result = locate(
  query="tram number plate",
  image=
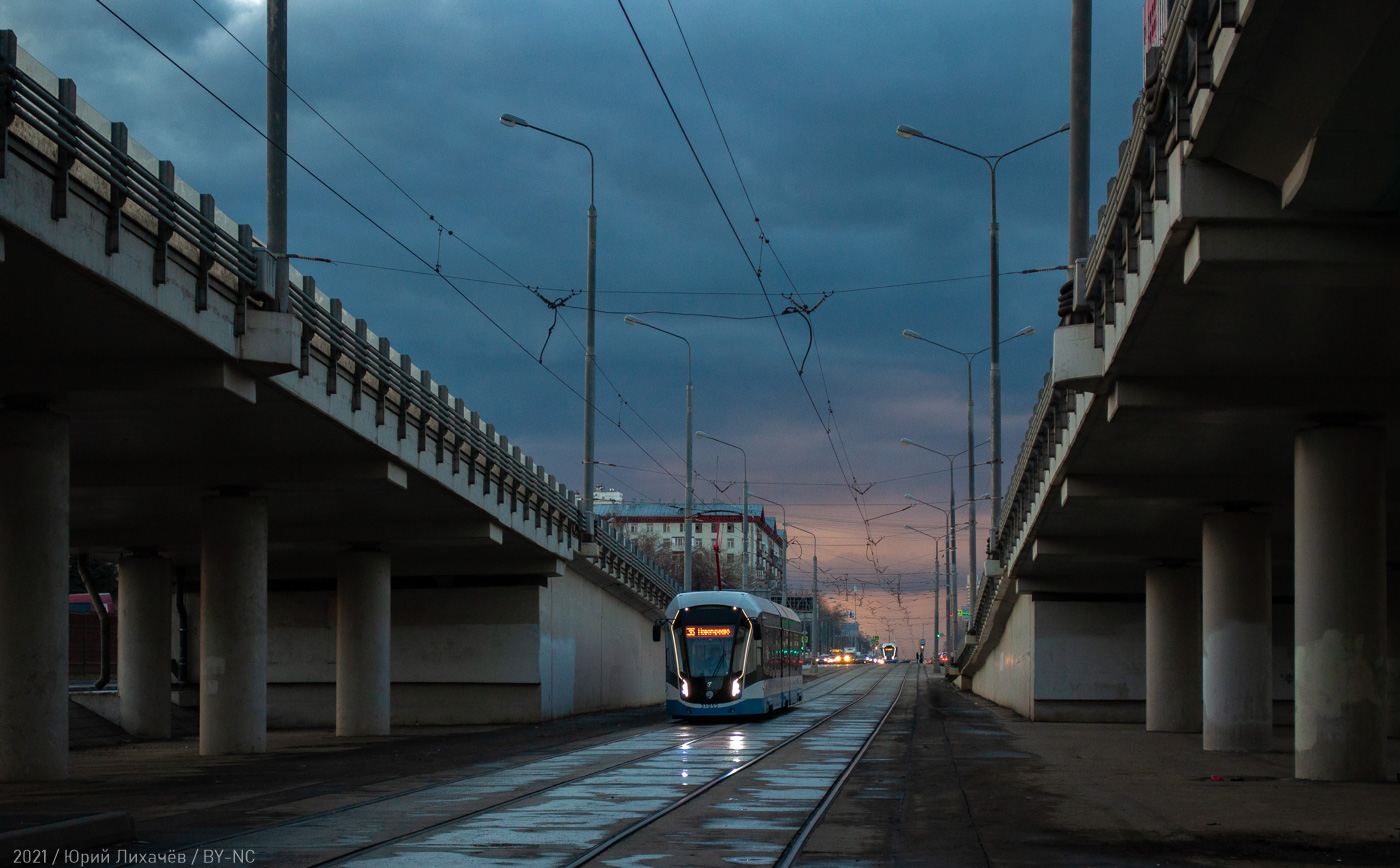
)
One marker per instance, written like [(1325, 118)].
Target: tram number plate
[(709, 632)]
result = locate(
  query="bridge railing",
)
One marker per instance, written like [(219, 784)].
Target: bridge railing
[(1161, 119), (43, 121)]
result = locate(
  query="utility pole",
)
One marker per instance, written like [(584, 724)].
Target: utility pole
[(277, 127), (1080, 49)]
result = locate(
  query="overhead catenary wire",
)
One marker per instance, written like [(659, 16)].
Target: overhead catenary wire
[(376, 224), (757, 271)]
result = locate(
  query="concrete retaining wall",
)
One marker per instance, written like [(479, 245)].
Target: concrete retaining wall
[(1009, 673), (1085, 660), (467, 655)]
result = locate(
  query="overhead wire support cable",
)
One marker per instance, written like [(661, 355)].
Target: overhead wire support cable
[(388, 234), (758, 275)]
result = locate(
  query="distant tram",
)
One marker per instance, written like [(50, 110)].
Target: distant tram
[(889, 653), (729, 652)]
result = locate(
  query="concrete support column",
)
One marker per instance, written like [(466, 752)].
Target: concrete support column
[(1340, 609), (33, 596), (233, 625), (143, 645), (362, 644), (1174, 649), (1236, 628), (1392, 635)]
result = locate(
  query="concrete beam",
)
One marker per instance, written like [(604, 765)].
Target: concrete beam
[(1086, 490), (74, 379), (1270, 256), (261, 474), (1297, 396), (449, 533), (1111, 548)]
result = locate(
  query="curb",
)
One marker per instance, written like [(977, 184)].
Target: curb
[(80, 833)]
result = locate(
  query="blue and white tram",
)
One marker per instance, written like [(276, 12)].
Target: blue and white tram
[(728, 652)]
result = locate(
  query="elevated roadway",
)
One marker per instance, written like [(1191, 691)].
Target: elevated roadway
[(1201, 528), (351, 543)]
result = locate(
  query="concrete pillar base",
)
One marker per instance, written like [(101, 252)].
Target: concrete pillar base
[(1236, 628), (362, 644), (233, 625), (1174, 649), (143, 645), (1340, 613), (34, 482)]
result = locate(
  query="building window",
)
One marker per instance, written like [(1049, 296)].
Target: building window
[(729, 543)]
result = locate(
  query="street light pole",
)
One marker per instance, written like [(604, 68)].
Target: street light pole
[(589, 356), (783, 577), (952, 537), (816, 594), (937, 582), (744, 526), (971, 464), (686, 583), (992, 161)]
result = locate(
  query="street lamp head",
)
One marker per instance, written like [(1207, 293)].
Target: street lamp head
[(513, 121), (632, 320), (907, 132), (1028, 330), (905, 441), (910, 497), (912, 335), (910, 527), (701, 435), (1064, 129)]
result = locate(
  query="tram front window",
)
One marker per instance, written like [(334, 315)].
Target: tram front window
[(709, 639), (710, 655)]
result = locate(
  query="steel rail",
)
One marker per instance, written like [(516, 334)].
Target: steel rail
[(617, 838), (379, 845), (794, 847)]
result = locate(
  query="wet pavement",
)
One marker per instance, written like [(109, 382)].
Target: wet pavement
[(950, 780)]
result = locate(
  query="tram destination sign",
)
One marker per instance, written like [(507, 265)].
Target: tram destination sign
[(709, 632)]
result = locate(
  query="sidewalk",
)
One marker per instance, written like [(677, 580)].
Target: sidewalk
[(1001, 790)]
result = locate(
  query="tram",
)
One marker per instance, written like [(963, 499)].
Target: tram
[(730, 653), (889, 653)]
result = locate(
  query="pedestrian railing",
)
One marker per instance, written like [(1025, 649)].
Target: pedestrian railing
[(45, 123)]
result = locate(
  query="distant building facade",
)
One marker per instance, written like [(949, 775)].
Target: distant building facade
[(718, 531)]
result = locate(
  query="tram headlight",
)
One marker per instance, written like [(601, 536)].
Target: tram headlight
[(685, 689), (735, 689)]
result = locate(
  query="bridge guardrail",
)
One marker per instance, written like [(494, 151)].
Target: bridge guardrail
[(1161, 119), (46, 123)]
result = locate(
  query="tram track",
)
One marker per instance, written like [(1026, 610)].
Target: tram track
[(607, 845), (335, 825)]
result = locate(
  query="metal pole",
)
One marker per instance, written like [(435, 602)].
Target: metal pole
[(589, 363), (277, 126), (971, 511), (1080, 50), (689, 471), (783, 592), (937, 596), (744, 527), (973, 558)]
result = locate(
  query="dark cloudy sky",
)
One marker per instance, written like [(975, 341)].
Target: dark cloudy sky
[(808, 93)]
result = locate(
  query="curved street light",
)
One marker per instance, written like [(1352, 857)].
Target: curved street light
[(590, 362), (744, 526), (686, 581), (992, 161), (971, 448)]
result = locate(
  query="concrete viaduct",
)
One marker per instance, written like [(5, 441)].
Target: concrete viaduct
[(354, 545), (1201, 528)]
